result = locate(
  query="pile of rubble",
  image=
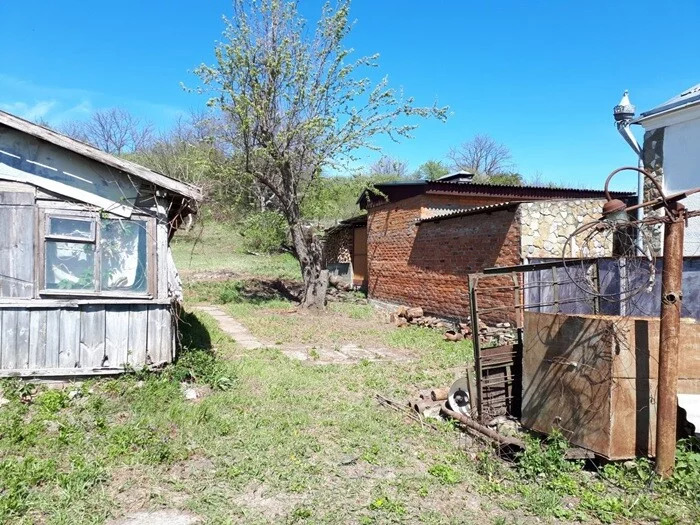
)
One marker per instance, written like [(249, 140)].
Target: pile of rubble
[(497, 335), (341, 291), (403, 316)]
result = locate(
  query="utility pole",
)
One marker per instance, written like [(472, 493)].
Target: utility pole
[(669, 340), (675, 216)]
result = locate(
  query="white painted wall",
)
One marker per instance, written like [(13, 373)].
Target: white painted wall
[(682, 156), (682, 172), (682, 163)]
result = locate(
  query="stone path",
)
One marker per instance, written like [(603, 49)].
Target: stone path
[(348, 353)]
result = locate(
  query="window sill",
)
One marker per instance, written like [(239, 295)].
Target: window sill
[(96, 295)]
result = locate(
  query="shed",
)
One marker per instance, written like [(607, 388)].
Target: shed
[(424, 238), (87, 280), (345, 250)]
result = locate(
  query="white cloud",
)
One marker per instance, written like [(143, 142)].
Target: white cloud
[(35, 111), (57, 105)]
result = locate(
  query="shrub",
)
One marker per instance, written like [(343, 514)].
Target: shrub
[(264, 231)]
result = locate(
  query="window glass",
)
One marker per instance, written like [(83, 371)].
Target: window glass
[(124, 250), (70, 265), (74, 228)]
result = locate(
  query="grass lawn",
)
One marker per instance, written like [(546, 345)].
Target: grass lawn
[(274, 440), (213, 249)]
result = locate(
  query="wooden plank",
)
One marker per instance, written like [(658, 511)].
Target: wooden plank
[(161, 260), (138, 335), (9, 339), (92, 336), (17, 198), (69, 339), (17, 251), (59, 372), (22, 342), (37, 338), (75, 303), (53, 338), (116, 336), (155, 335)]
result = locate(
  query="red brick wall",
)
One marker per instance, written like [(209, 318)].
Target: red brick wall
[(427, 265)]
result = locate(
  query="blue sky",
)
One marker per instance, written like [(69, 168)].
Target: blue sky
[(540, 77)]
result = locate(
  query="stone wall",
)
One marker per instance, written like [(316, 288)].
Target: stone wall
[(653, 156), (546, 226)]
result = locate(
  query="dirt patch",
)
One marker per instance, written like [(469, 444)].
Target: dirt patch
[(271, 506), (157, 517)]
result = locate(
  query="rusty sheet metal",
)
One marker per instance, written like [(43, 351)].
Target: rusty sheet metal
[(595, 379)]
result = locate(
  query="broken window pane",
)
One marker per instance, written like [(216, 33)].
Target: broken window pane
[(124, 258), (75, 228), (70, 265)]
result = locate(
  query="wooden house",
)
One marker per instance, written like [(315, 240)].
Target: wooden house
[(87, 280)]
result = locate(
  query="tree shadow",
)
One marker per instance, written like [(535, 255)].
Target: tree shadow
[(193, 334)]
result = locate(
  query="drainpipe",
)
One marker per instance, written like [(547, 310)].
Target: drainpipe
[(624, 114)]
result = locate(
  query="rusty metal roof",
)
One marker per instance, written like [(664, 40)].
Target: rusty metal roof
[(396, 191)]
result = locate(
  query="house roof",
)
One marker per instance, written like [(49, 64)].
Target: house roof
[(688, 97), (130, 168), (459, 176), (347, 223), (403, 190), (471, 211)]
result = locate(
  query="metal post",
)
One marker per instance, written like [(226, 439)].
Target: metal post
[(669, 338)]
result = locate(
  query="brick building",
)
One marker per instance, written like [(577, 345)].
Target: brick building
[(425, 237)]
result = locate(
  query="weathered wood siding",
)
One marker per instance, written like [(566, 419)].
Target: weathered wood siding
[(85, 338), (16, 243)]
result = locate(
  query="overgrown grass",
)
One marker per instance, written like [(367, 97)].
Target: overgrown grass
[(546, 485), (275, 440), (271, 440), (213, 247)]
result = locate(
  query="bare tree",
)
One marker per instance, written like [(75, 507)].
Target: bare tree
[(297, 107), (483, 156), (389, 166), (114, 131)]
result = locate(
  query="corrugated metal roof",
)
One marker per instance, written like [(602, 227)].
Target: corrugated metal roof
[(472, 211), (688, 97), (399, 191)]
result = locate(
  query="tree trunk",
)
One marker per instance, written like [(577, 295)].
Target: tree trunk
[(310, 255)]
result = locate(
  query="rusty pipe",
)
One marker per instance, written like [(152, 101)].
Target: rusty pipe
[(669, 339), (486, 431)]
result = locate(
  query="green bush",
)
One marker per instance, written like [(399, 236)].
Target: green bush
[(264, 231)]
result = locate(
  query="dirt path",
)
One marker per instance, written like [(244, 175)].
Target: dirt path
[(348, 353)]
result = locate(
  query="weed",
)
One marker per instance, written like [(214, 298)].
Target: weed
[(686, 475), (445, 474), (548, 461), (52, 401), (388, 505)]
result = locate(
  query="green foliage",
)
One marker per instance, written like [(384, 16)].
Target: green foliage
[(445, 474), (505, 178), (18, 476), (432, 170), (51, 401), (264, 231), (548, 461), (686, 476)]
